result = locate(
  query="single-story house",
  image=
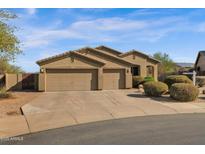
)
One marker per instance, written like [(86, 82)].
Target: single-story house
[(200, 63), (94, 69)]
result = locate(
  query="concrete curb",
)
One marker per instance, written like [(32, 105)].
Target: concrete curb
[(13, 126), (17, 125)]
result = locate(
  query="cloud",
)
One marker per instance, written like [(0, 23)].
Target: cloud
[(88, 30), (109, 29), (96, 10), (31, 11), (43, 37), (109, 24), (83, 30), (149, 12), (140, 12)]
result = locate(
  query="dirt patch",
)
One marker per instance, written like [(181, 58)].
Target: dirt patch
[(11, 106)]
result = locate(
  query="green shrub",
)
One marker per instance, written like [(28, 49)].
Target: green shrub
[(200, 81), (154, 88), (137, 80), (184, 92), (148, 78), (177, 79), (4, 93)]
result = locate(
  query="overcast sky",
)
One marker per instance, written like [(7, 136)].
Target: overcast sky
[(46, 32)]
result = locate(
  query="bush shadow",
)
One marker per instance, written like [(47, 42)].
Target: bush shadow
[(162, 99), (138, 95)]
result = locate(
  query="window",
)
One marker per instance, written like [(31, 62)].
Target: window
[(135, 71), (150, 71)]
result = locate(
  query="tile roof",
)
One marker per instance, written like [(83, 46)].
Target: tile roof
[(107, 48), (99, 50), (74, 52), (138, 52)]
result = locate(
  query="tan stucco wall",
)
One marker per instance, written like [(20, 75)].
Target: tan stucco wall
[(138, 60), (13, 81), (155, 66), (100, 78), (41, 81), (128, 78), (36, 82), (143, 63)]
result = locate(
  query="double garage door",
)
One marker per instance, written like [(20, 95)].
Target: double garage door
[(83, 79), (71, 79)]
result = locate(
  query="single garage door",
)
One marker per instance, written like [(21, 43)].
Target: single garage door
[(113, 79), (71, 79)]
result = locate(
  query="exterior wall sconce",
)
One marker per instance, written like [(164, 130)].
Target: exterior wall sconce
[(41, 70)]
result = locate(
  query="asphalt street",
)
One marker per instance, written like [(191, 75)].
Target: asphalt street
[(152, 130)]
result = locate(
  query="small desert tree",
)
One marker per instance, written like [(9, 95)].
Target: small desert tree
[(167, 65), (6, 67), (9, 43)]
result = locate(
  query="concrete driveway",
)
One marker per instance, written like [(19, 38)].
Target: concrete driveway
[(59, 109)]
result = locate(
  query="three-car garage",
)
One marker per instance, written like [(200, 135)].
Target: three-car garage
[(84, 70), (83, 79)]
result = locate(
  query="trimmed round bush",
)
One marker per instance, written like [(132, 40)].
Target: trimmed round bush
[(172, 79), (148, 78), (184, 92), (137, 80), (155, 89)]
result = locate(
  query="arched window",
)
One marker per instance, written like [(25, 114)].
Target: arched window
[(150, 71)]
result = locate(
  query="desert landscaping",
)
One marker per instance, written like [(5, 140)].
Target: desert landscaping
[(11, 106)]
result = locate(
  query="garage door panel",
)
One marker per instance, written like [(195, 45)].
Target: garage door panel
[(65, 80), (113, 79)]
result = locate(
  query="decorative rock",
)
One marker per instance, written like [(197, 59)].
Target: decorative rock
[(141, 90), (140, 86), (202, 90)]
